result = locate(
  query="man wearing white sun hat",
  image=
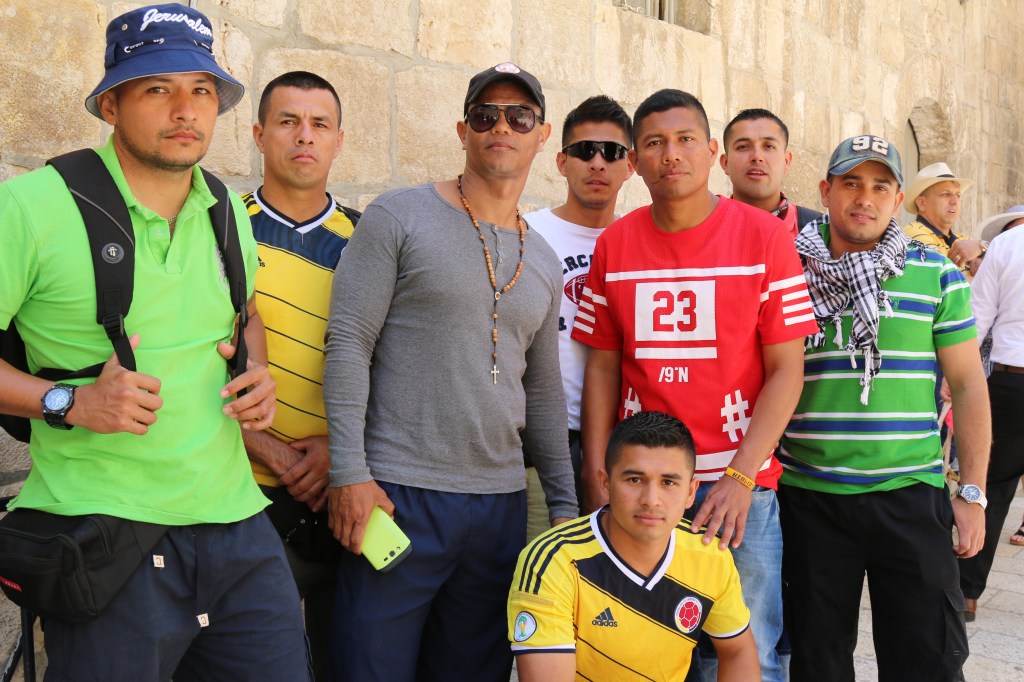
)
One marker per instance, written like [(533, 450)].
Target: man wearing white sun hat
[(934, 194)]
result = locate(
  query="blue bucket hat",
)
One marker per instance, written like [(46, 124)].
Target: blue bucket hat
[(158, 40)]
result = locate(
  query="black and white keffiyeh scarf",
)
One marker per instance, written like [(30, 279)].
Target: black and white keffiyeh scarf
[(854, 280)]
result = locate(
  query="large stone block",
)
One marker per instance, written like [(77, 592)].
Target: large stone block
[(891, 42), (850, 16), (449, 33), (746, 91), (776, 47), (231, 149), (852, 124), (52, 59), (817, 133), (872, 96), (429, 102), (806, 171), (890, 102), (855, 84), (554, 42), (742, 28), (640, 55), (380, 24), (791, 110), (265, 12), (366, 100), (812, 63), (546, 186), (712, 66)]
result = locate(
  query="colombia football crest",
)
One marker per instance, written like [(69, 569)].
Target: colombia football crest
[(687, 614)]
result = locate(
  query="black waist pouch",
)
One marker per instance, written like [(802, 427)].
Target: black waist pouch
[(302, 530), (69, 568)]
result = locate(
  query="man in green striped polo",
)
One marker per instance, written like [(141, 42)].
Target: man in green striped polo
[(863, 490)]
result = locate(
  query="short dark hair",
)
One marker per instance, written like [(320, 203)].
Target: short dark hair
[(597, 109), (652, 430), (755, 115), (303, 80), (666, 99)]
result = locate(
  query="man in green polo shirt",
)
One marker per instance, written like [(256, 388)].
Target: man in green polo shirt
[(863, 490), (161, 444)]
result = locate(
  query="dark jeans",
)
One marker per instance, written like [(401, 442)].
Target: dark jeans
[(223, 606), (1006, 466), (901, 539)]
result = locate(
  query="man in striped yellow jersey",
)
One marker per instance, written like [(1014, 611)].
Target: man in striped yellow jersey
[(300, 231), (623, 594)]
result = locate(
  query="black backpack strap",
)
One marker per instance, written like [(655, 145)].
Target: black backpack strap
[(111, 245), (804, 216), (222, 215), (352, 214)]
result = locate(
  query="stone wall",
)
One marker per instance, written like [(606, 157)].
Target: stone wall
[(830, 68)]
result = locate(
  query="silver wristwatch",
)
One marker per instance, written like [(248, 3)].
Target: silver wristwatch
[(972, 494)]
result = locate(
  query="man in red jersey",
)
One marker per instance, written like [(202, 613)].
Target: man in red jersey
[(696, 305)]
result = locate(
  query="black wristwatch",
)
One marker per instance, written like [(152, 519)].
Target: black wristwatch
[(57, 402)]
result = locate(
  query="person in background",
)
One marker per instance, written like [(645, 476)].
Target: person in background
[(595, 162), (934, 194), (757, 160), (996, 297)]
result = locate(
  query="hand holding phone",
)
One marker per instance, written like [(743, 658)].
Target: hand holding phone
[(384, 543)]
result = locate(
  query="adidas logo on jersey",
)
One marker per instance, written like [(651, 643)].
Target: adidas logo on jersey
[(605, 619)]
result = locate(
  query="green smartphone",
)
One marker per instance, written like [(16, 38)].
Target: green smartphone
[(384, 544)]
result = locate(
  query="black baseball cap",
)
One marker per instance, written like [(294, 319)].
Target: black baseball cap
[(506, 71)]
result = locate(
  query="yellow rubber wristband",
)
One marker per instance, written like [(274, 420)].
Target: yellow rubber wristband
[(732, 473)]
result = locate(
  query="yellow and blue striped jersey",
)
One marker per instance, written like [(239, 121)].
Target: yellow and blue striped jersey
[(573, 593), (293, 293)]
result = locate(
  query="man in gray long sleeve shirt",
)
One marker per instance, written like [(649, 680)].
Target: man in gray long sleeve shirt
[(442, 368)]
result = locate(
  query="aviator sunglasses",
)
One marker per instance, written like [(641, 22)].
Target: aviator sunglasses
[(520, 117), (586, 149)]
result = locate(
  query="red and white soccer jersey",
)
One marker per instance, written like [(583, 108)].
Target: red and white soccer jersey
[(690, 312)]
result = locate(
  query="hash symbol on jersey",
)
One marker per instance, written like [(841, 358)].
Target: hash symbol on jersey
[(632, 404), (735, 415)]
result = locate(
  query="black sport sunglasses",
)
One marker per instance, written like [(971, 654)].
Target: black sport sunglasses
[(520, 117), (586, 149)]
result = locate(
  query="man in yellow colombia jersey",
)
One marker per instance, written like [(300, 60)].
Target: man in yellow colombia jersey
[(300, 231), (623, 594)]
